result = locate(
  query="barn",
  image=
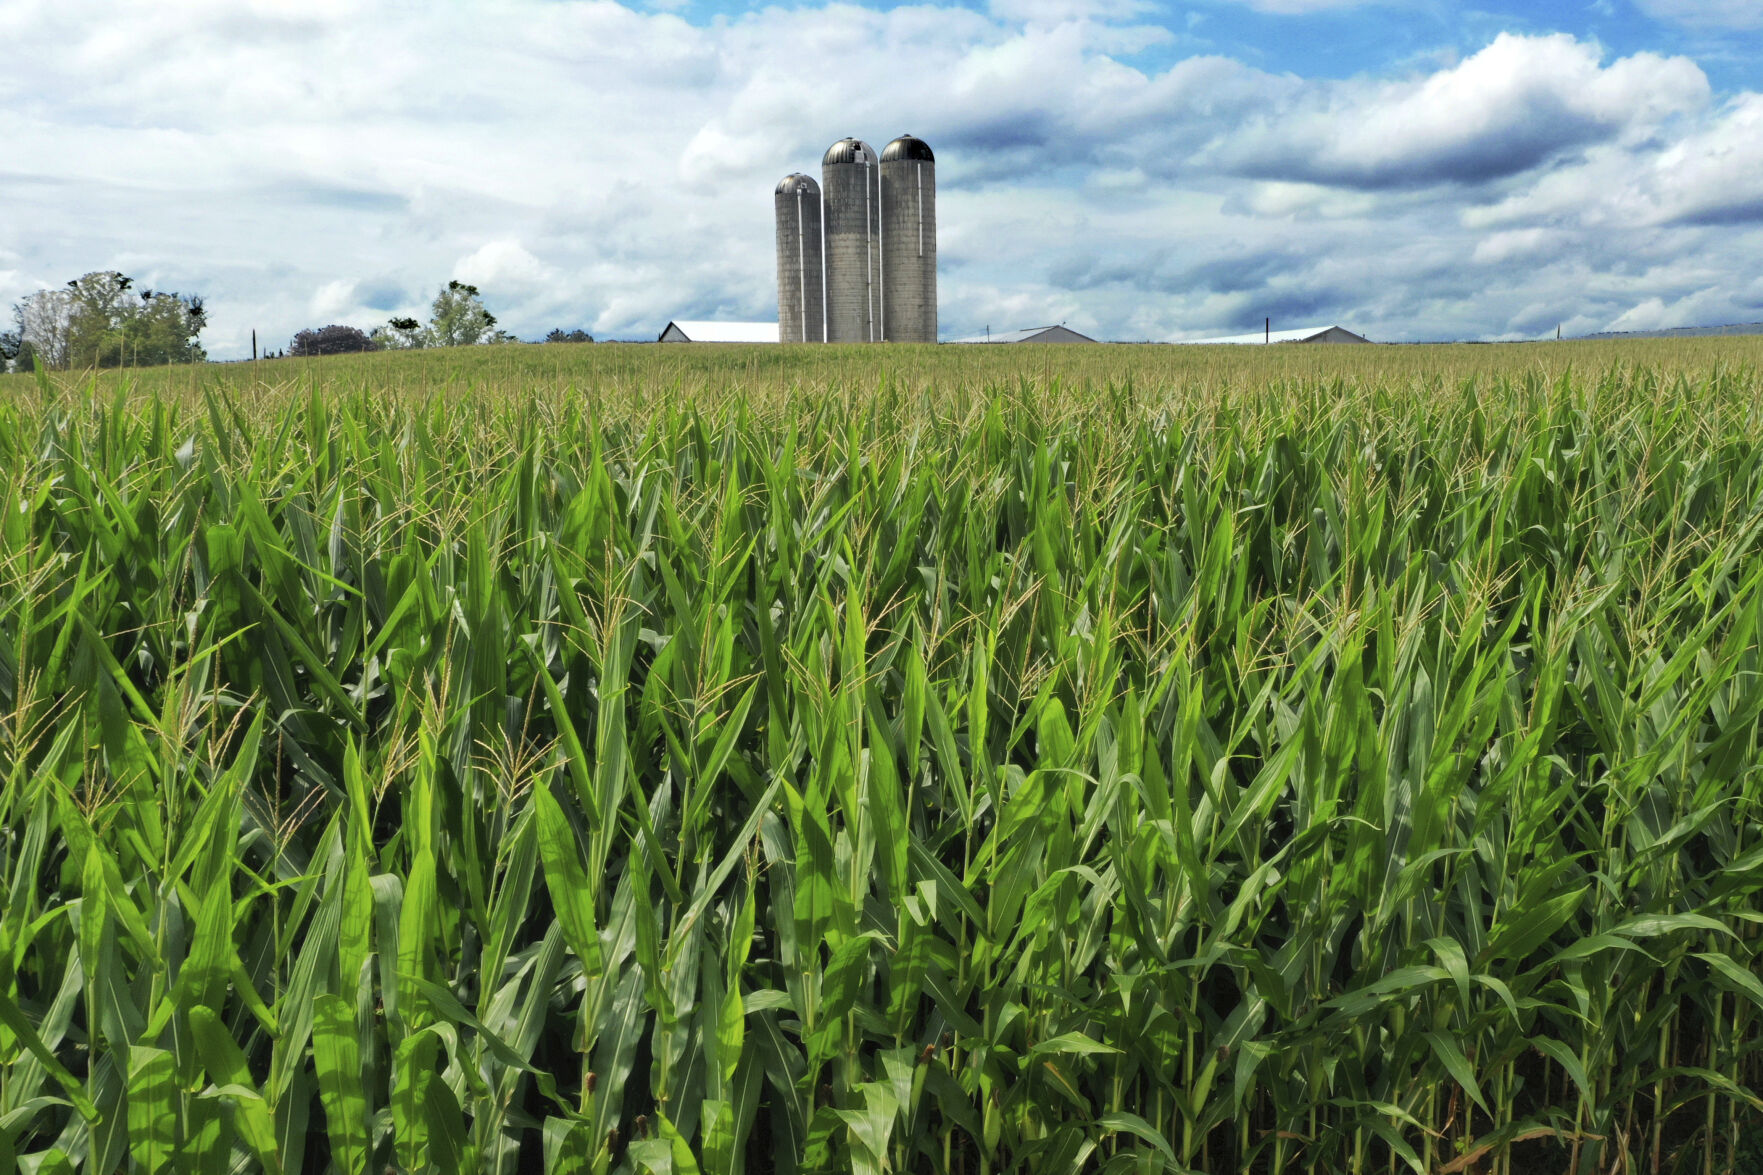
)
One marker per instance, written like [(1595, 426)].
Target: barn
[(1036, 334), (679, 331), (1306, 334)]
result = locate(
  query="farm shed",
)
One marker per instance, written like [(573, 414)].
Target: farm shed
[(1306, 334), (1037, 334), (719, 332)]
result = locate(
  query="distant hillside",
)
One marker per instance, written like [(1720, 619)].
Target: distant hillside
[(1681, 332)]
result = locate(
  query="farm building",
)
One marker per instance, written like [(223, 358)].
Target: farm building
[(719, 332), (1307, 334), (1037, 334)]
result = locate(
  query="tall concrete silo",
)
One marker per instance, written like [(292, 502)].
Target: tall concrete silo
[(909, 241), (853, 243), (801, 306)]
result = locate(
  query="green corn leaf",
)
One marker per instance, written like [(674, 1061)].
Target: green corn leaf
[(581, 773), (872, 1126), (206, 1148), (225, 1061), (572, 892), (415, 1087), (718, 1137), (153, 1111), (1570, 1063), (336, 1056), (566, 1147), (1734, 976), (55, 1162), (1072, 1044), (22, 1030), (1125, 1122), (845, 974), (416, 931), (684, 1162), (1527, 929), (1450, 1054)]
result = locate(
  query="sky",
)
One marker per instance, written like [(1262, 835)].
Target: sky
[(1411, 169)]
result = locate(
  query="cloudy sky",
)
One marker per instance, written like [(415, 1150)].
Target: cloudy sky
[(1411, 168)]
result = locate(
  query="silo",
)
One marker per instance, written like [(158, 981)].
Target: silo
[(909, 241), (801, 308), (853, 243)]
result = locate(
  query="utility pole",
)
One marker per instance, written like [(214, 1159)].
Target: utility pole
[(1268, 337), (253, 344)]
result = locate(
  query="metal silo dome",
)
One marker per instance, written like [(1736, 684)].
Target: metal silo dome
[(907, 147), (849, 151), (797, 182), (801, 305), (852, 205), (909, 241)]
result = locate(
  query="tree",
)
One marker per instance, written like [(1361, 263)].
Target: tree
[(96, 322), (100, 314), (569, 336), (162, 329), (331, 340), (458, 318), (400, 334), (45, 325)]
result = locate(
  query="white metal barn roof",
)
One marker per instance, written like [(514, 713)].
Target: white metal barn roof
[(1307, 334), (1037, 334), (679, 331)]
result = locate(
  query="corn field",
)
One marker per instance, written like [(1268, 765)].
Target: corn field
[(1341, 772)]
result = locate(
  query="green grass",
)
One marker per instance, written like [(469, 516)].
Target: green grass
[(933, 760)]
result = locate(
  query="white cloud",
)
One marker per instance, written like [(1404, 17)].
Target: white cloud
[(503, 265), (1281, 200), (591, 164), (1509, 108), (1514, 244), (1651, 314), (334, 300), (1715, 175), (1712, 175), (1692, 309)]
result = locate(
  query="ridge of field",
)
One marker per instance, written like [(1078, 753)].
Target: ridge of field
[(652, 368), (957, 760)]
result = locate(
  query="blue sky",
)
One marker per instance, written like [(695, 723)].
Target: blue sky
[(1413, 169), (1341, 39)]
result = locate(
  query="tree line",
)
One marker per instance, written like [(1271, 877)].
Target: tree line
[(99, 321), (456, 319)]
